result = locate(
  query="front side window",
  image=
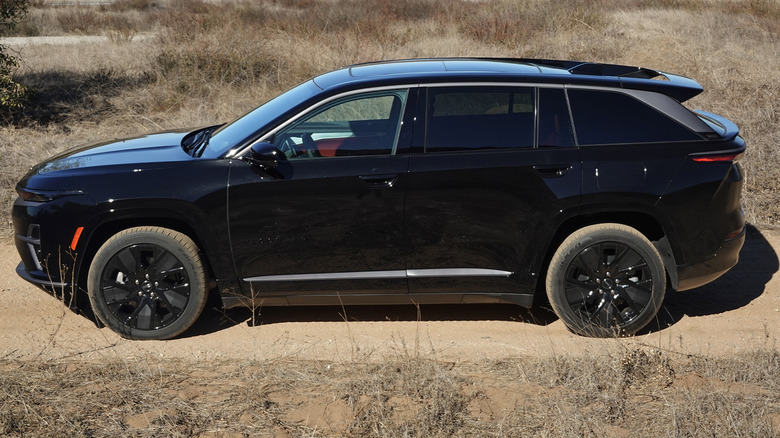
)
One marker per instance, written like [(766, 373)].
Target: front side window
[(363, 124), (474, 118)]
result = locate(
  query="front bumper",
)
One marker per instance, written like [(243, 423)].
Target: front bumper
[(39, 280)]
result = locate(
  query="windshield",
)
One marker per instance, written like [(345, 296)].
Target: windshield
[(235, 132)]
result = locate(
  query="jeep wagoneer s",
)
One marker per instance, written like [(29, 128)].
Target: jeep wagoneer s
[(525, 181)]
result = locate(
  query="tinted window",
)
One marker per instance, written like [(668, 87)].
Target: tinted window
[(554, 121), (470, 118), (602, 117), (365, 124)]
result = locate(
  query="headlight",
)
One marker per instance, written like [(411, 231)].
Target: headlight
[(44, 195)]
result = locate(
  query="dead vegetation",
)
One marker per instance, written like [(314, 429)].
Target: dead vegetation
[(637, 392), (173, 63)]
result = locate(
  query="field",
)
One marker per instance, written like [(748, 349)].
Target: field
[(130, 66)]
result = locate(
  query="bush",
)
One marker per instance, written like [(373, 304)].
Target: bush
[(12, 95)]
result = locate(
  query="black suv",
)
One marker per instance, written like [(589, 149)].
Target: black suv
[(425, 181)]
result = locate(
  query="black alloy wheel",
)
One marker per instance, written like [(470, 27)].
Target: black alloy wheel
[(147, 283), (606, 280)]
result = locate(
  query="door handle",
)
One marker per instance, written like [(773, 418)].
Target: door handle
[(552, 170), (379, 181)]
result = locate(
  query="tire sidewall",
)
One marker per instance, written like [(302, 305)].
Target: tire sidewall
[(589, 236), (180, 246)]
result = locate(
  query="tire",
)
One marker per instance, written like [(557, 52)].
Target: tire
[(147, 283), (606, 280)]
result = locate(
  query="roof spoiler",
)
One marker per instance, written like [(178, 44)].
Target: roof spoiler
[(676, 86)]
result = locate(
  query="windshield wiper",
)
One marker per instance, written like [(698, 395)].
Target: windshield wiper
[(195, 142), (202, 142)]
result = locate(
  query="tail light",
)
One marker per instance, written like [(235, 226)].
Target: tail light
[(709, 157)]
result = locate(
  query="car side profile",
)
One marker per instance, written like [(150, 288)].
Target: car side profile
[(455, 180)]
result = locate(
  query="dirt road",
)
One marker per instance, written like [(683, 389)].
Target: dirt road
[(739, 312)]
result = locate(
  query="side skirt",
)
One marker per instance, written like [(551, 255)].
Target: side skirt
[(525, 300)]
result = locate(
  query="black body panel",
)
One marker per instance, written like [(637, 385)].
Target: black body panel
[(459, 203)]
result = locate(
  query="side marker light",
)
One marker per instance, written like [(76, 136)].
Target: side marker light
[(76, 237)]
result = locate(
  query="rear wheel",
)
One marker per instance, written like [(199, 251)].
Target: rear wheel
[(606, 280), (147, 283)]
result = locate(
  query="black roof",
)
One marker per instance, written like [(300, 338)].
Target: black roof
[(511, 69)]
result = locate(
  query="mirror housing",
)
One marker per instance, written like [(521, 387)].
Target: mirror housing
[(264, 155)]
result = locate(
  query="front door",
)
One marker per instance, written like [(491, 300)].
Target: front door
[(329, 219)]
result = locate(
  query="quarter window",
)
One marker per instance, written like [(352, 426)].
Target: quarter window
[(554, 121), (603, 117), (365, 124), (473, 118)]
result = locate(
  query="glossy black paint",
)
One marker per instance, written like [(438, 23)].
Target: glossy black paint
[(416, 221)]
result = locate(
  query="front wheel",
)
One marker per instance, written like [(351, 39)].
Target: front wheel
[(606, 280), (147, 283)]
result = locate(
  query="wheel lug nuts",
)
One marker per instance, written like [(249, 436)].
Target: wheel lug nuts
[(147, 276), (140, 293), (156, 284), (137, 282)]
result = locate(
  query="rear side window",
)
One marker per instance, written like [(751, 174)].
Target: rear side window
[(603, 117), (474, 118)]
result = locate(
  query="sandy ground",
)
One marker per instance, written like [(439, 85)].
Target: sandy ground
[(739, 312)]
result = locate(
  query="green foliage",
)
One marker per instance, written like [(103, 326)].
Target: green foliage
[(12, 94)]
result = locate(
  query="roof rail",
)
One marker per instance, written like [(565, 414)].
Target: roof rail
[(638, 78)]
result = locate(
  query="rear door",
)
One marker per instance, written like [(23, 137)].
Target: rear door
[(490, 178)]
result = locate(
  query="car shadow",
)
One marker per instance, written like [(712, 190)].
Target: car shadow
[(744, 283), (737, 288), (215, 319)]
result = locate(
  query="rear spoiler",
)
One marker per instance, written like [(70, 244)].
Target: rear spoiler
[(729, 129), (678, 87)]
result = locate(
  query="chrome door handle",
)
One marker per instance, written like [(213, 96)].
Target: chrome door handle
[(552, 170), (379, 181)]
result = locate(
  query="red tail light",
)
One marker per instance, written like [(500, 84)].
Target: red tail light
[(710, 158), (716, 158)]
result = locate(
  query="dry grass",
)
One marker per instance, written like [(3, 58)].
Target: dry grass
[(623, 393), (171, 63), (178, 63)]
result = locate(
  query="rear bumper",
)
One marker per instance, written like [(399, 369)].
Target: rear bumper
[(699, 274)]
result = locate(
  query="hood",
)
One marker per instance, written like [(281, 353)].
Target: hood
[(162, 147)]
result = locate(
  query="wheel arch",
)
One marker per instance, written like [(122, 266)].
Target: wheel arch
[(645, 223), (104, 230)]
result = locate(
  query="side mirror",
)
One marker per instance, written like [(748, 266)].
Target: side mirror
[(264, 155)]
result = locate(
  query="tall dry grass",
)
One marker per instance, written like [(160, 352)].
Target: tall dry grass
[(171, 63), (625, 392)]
